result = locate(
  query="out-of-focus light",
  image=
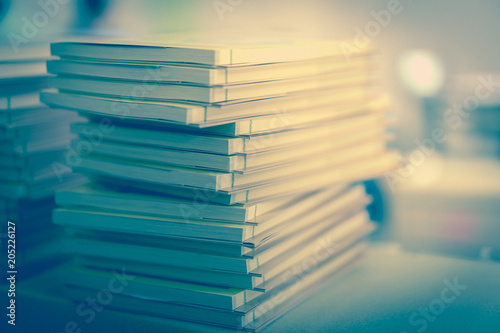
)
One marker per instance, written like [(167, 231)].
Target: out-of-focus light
[(421, 72)]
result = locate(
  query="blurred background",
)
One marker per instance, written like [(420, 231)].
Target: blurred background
[(438, 60)]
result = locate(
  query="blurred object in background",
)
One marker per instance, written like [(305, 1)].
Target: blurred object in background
[(449, 202), (23, 22), (422, 74), (88, 14), (376, 208), (33, 139), (451, 206), (377, 188), (4, 8), (473, 117)]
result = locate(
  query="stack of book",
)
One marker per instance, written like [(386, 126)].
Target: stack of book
[(33, 138), (225, 178)]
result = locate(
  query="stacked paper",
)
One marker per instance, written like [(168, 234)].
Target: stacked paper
[(225, 178), (33, 138)]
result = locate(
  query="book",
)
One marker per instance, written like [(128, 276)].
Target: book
[(257, 125), (194, 113), (120, 198), (22, 146), (269, 264), (128, 222), (214, 144), (222, 181), (237, 162), (226, 298), (275, 269), (196, 49), (14, 69), (202, 74), (34, 117), (201, 94), (363, 169), (20, 101), (249, 318)]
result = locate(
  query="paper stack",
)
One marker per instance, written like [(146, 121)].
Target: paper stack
[(32, 142), (225, 178)]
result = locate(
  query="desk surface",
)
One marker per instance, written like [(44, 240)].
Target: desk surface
[(387, 291)]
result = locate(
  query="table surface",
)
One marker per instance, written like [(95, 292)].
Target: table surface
[(389, 290)]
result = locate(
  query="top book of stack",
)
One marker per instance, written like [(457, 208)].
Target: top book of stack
[(186, 81), (202, 50)]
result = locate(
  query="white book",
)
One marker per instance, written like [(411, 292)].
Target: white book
[(234, 145), (217, 278), (31, 116), (99, 219), (22, 68), (286, 295), (33, 51), (307, 236), (198, 49), (207, 294), (250, 317), (48, 122), (89, 218), (345, 204), (196, 114), (238, 162), (164, 290), (227, 181), (59, 127), (202, 74), (278, 269), (265, 123), (156, 255), (20, 101), (349, 172), (135, 201), (265, 279), (22, 147), (201, 94), (270, 225)]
